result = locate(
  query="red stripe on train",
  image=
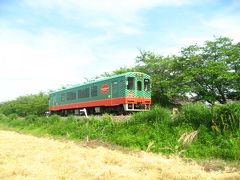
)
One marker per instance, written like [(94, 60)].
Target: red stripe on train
[(103, 102)]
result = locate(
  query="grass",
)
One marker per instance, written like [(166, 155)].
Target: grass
[(191, 134)]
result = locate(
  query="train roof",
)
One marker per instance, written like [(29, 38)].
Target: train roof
[(98, 80)]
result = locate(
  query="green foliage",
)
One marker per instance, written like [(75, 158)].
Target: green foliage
[(195, 114), (151, 130), (160, 69), (26, 105), (31, 118), (156, 114), (54, 118), (3, 118), (13, 116), (210, 72), (209, 145), (226, 117)]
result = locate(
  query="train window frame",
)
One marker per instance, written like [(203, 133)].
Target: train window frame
[(130, 83), (121, 84), (147, 86), (71, 95), (114, 84), (63, 97), (139, 85), (83, 93), (94, 91)]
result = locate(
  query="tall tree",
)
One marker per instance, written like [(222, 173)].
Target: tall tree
[(162, 74), (210, 72)]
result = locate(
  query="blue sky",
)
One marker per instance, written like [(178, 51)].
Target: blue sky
[(46, 44)]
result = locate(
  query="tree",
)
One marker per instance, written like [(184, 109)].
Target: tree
[(25, 105), (210, 72), (162, 74)]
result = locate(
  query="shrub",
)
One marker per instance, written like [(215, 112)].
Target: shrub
[(226, 117), (155, 115), (25, 105), (195, 114), (13, 116), (54, 118), (31, 118), (2, 117)]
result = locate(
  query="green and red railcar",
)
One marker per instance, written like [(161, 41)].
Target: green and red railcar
[(119, 93)]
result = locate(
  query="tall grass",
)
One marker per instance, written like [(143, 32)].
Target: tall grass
[(226, 117), (195, 114), (155, 130)]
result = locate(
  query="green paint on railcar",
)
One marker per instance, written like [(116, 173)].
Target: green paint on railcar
[(110, 87)]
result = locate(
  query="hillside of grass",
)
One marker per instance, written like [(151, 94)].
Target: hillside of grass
[(196, 131)]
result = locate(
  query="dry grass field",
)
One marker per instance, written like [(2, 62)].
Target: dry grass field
[(28, 157)]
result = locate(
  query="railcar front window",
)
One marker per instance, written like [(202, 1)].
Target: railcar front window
[(130, 83), (139, 85), (146, 84)]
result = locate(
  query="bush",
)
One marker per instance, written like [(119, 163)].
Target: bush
[(13, 116), (3, 117), (226, 117), (155, 115), (54, 119), (195, 114), (149, 130), (31, 118), (26, 105)]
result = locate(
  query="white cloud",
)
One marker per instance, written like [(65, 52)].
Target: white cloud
[(47, 61), (51, 56), (128, 30), (50, 59), (112, 7), (116, 15)]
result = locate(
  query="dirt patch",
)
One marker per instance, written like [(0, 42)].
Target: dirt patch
[(25, 156)]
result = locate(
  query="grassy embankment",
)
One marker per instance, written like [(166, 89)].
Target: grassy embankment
[(196, 131)]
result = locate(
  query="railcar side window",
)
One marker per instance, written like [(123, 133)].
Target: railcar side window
[(121, 84), (146, 85), (139, 85), (83, 93), (71, 95), (94, 91), (63, 97), (130, 83), (114, 85)]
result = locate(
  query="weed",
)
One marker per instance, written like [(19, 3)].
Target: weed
[(195, 114), (226, 117), (188, 135)]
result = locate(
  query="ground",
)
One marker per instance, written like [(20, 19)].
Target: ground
[(30, 157)]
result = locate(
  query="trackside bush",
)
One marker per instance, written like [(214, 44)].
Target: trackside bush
[(54, 118), (226, 117), (13, 116), (156, 114), (195, 114), (153, 130), (2, 117), (31, 118)]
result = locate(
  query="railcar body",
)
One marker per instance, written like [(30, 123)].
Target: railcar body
[(119, 93)]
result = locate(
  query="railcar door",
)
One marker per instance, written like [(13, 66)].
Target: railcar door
[(114, 92), (114, 89)]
